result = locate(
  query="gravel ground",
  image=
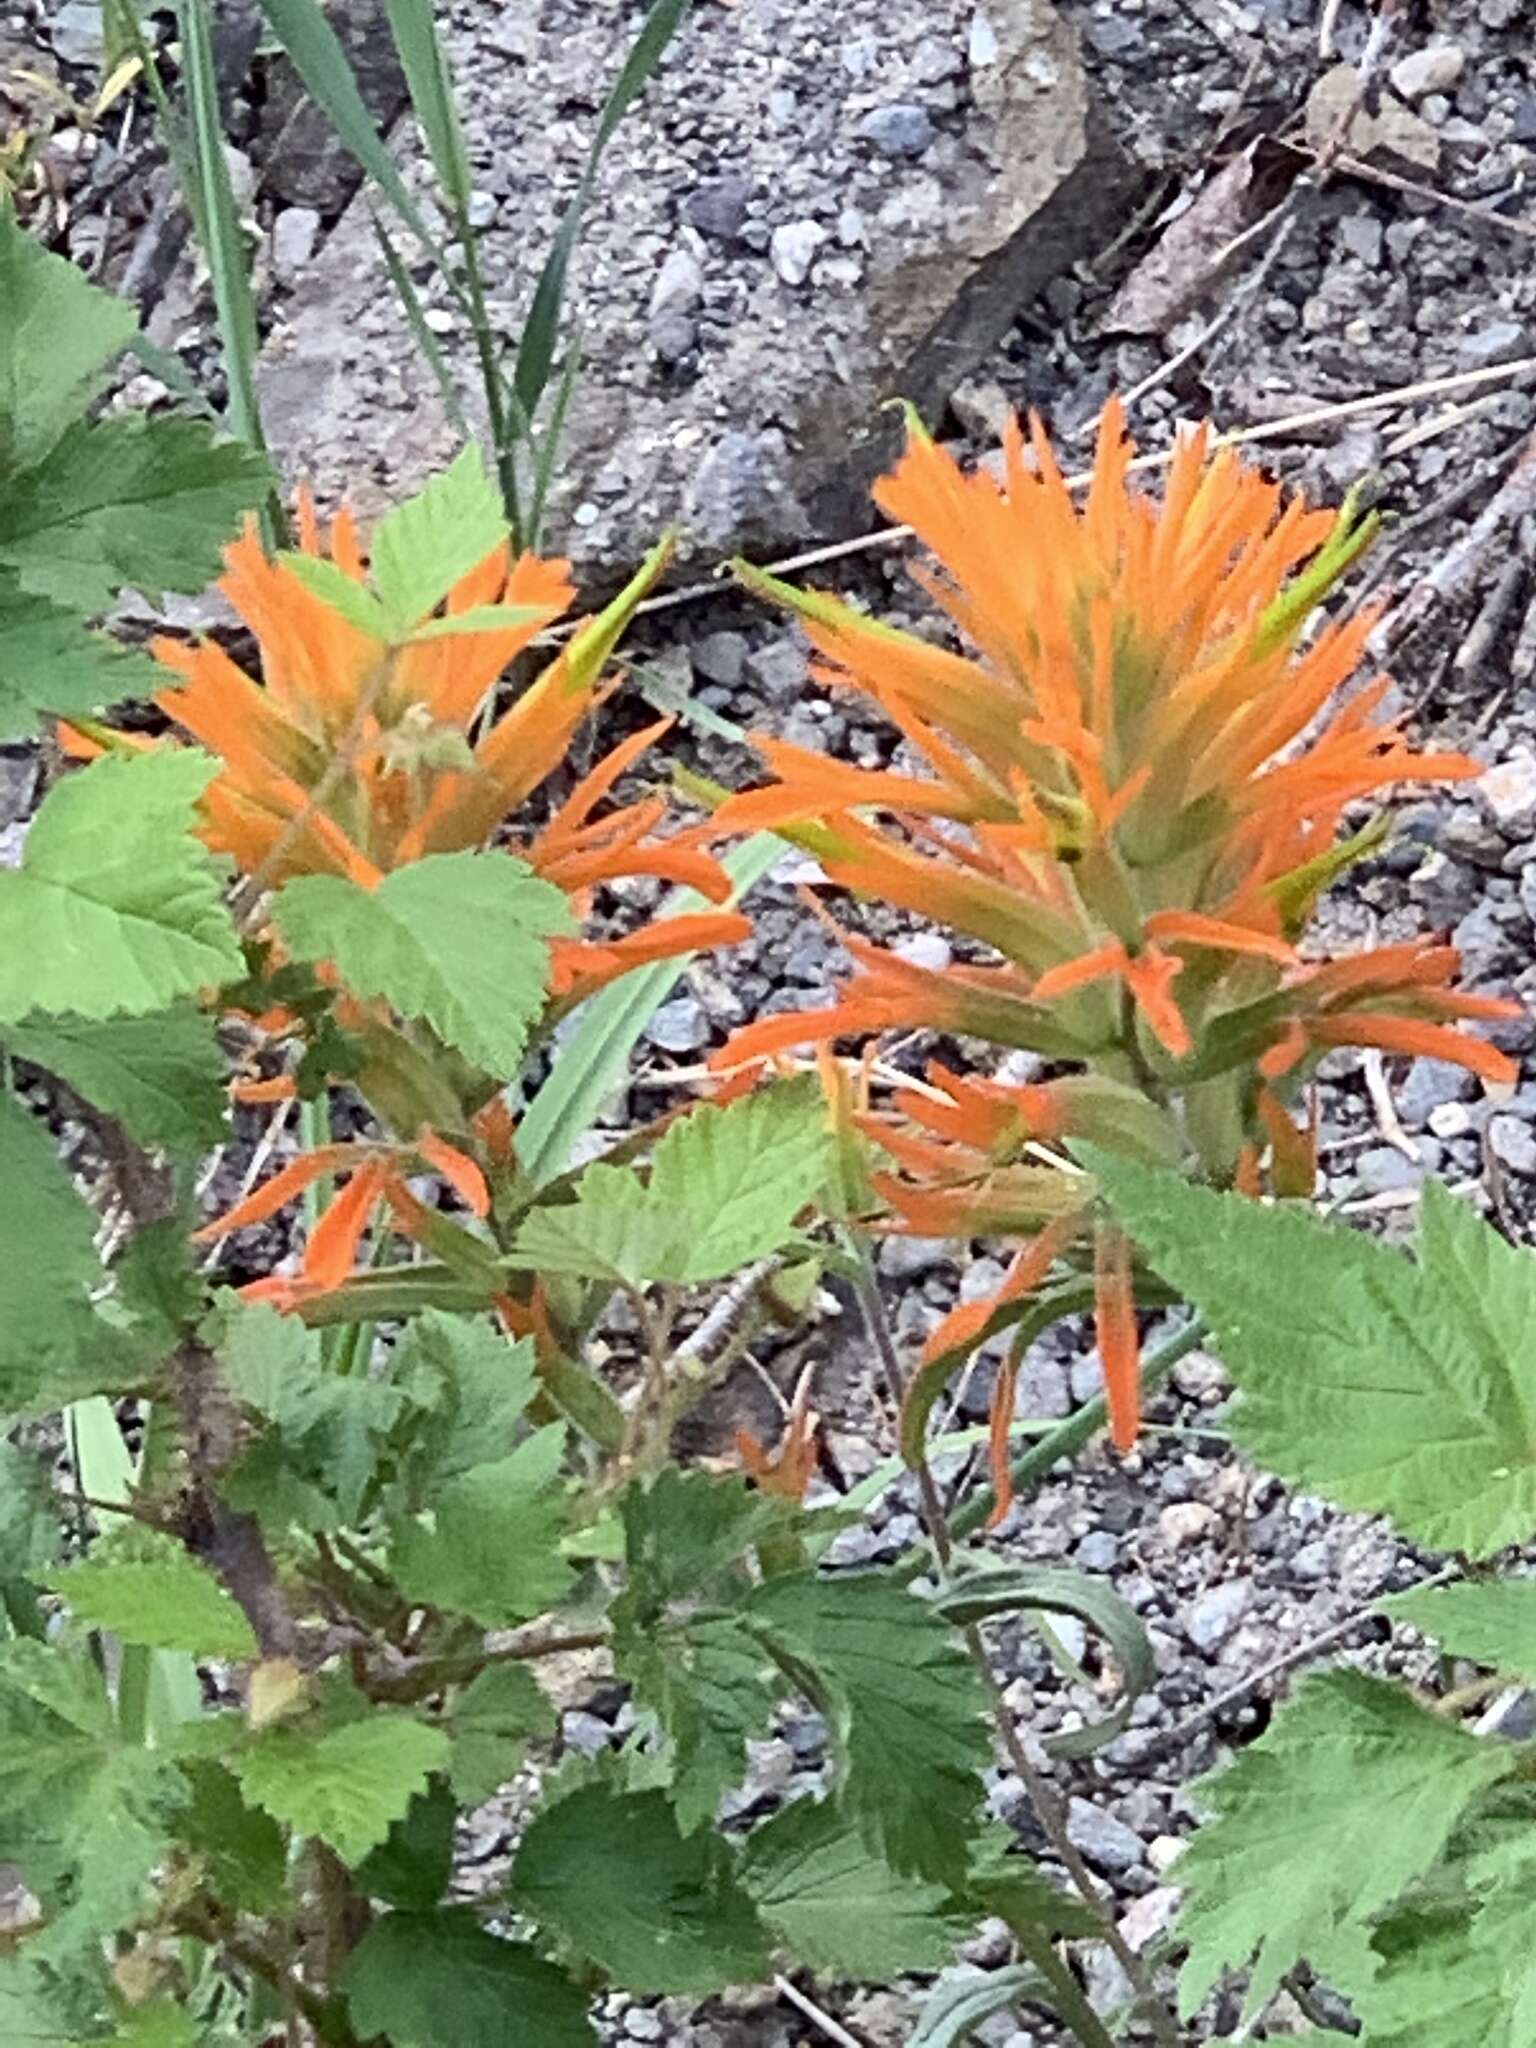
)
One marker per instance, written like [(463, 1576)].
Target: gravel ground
[(1375, 288)]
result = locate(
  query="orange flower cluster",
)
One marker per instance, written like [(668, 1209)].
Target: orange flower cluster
[(1126, 800)]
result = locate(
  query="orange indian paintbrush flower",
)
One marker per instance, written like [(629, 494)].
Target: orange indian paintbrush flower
[(1126, 798)]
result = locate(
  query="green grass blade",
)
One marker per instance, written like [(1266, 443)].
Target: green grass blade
[(430, 85), (316, 54), (541, 333), (594, 1058), (218, 222), (421, 333), (549, 447)]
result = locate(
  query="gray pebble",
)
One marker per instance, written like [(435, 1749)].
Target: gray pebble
[(679, 1026), (778, 671), (1491, 344), (1105, 1841), (900, 130), (294, 234), (909, 1258), (1098, 1551), (75, 32), (641, 2024), (1513, 1143), (721, 658), (1211, 1619), (586, 1734), (719, 207), (1427, 1085)]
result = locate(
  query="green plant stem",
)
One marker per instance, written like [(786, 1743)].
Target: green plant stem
[(1067, 1993), (438, 1672), (1042, 1798), (1069, 1439)]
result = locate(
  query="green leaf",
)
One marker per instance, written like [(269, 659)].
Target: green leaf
[(489, 1546), (725, 1188), (50, 662), (161, 1076), (243, 1849), (160, 2025), (491, 1723), (1349, 1795), (328, 1431), (348, 1785), (980, 1591), (432, 96), (905, 1700), (962, 1999), (115, 908), (713, 1687), (84, 1814), (657, 1910), (424, 547), (169, 1605), (595, 1057), (1393, 1386), (1455, 1974), (1004, 1882), (458, 939), (438, 1980), (128, 501), (317, 55), (413, 1864), (839, 1908), (1492, 1622), (683, 1530), (343, 593), (58, 334), (472, 1385), (53, 1346), (29, 1515)]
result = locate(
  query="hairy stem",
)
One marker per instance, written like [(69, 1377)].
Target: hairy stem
[(1047, 1808)]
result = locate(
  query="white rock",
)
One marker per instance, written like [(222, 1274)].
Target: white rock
[(982, 45), (679, 283), (1216, 1614), (1450, 1120), (1435, 68), (1149, 1916), (294, 234), (1186, 1521), (793, 249), (1509, 791)]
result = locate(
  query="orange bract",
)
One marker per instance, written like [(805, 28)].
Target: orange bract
[(351, 757), (1126, 798)]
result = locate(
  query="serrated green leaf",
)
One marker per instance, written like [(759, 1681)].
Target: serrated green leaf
[(127, 502), (243, 1848), (168, 1605), (1492, 1621), (348, 1785), (472, 1386), (1348, 1796), (489, 1545), (84, 1814), (835, 1905), (459, 939), (343, 593), (683, 1529), (52, 663), (162, 1076), (657, 1910), (424, 547), (116, 908), (160, 2025), (713, 1687), (56, 339), (414, 1862), (29, 1515), (1395, 1386), (53, 1346), (491, 1723), (725, 1188), (439, 1980), (1453, 1977), (904, 1700)]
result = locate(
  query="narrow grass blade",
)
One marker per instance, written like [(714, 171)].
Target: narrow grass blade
[(430, 84), (549, 447), (594, 1058), (421, 333), (541, 333), (316, 54)]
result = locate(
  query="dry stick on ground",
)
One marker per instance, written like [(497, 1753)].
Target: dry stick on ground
[(1514, 500), (1277, 1667), (1042, 1798)]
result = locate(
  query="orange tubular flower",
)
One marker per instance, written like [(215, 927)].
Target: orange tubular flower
[(376, 1179), (1126, 799), (353, 758)]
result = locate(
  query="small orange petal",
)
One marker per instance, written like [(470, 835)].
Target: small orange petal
[(458, 1169), (331, 1253), (1118, 1338), (274, 1194)]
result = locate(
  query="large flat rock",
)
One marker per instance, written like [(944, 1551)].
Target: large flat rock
[(813, 210)]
